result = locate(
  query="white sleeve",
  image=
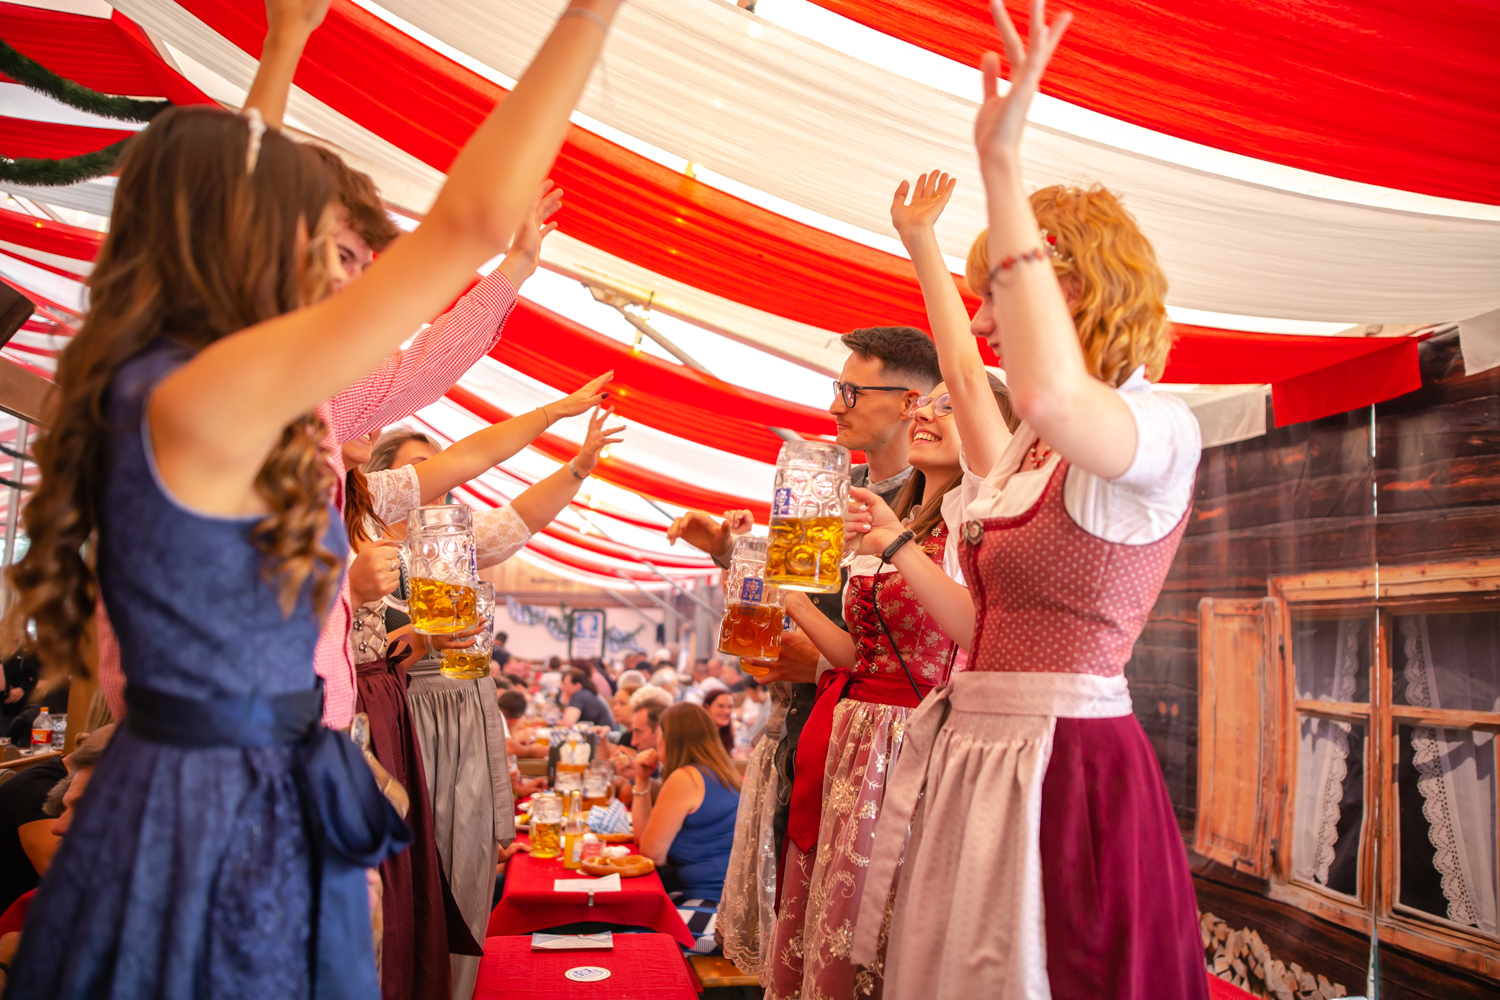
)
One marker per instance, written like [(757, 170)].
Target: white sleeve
[(1147, 501), (499, 533), (394, 492)]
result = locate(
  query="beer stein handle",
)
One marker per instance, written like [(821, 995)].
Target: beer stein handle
[(397, 599)]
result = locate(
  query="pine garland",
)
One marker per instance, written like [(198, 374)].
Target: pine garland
[(38, 77), (56, 173)]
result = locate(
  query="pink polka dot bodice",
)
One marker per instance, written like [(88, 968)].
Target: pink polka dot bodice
[(928, 651), (1051, 598)]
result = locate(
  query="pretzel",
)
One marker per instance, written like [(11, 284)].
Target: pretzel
[(616, 838), (630, 866)]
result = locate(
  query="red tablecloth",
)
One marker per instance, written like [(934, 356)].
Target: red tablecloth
[(531, 904), (1218, 989), (641, 966)]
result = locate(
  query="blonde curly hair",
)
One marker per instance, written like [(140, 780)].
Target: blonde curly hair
[(1121, 312)]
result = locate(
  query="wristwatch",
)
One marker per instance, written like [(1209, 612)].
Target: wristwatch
[(901, 539)]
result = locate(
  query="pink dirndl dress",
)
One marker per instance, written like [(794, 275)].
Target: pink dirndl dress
[(1044, 859), (848, 747)]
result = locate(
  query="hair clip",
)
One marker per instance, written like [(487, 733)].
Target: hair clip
[(257, 126), (1050, 243)]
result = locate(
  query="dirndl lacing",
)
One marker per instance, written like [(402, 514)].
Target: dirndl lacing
[(351, 825), (991, 783)]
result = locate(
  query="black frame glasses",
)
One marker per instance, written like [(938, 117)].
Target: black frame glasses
[(849, 392)]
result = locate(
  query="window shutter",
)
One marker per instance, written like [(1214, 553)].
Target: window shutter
[(1239, 671)]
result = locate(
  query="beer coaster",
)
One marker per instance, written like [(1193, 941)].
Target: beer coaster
[(587, 974)]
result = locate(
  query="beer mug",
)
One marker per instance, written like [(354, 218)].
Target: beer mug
[(546, 825), (442, 565), (753, 615), (472, 662), (806, 549)]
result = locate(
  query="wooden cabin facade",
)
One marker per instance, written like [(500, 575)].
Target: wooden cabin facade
[(1320, 681)]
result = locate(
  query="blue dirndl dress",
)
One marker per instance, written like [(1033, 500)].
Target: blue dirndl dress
[(219, 849)]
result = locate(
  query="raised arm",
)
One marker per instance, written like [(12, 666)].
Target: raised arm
[(544, 501), (215, 419), (289, 24), (483, 450), (1078, 415), (980, 425)]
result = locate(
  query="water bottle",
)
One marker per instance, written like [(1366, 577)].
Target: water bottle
[(41, 732), (59, 732)]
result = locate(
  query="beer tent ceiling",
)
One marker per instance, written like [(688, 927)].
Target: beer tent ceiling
[(1299, 176)]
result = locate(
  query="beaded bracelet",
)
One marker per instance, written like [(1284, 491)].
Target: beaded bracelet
[(1009, 263)]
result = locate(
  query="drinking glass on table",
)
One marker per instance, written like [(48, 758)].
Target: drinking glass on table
[(546, 825)]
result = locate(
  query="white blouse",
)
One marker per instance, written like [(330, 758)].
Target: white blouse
[(499, 533), (1142, 505)]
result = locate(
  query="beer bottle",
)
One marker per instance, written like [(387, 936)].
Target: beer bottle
[(574, 831)]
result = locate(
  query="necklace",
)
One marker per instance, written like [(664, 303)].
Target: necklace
[(1038, 455)]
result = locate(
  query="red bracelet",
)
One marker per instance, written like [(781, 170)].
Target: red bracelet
[(1010, 262)]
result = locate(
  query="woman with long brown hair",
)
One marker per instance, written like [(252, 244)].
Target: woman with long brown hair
[(689, 828), (1044, 858), (222, 850)]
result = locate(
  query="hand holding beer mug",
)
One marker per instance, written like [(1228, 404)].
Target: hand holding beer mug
[(753, 616), (806, 547), (442, 565)]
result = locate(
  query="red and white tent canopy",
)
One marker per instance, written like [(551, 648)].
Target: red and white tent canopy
[(1308, 178)]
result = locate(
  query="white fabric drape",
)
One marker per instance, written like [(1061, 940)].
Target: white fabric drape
[(827, 131), (1456, 768), (1328, 674)]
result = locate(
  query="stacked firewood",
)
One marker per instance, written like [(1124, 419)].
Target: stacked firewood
[(1243, 959)]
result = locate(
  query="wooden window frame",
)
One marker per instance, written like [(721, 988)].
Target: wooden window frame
[(1427, 588)]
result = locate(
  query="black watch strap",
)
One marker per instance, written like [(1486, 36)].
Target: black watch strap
[(901, 539)]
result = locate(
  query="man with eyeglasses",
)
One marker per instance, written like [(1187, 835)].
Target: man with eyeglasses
[(874, 403)]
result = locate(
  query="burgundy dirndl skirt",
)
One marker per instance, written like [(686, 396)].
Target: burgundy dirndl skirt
[(1121, 914), (414, 954)]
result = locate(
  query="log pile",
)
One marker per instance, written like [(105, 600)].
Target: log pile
[(1242, 958)]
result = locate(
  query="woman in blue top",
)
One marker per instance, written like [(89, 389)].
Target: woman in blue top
[(689, 830), (221, 849)]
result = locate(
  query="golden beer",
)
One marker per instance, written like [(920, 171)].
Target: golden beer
[(465, 664), (438, 607), (805, 553), (751, 630), (546, 839)]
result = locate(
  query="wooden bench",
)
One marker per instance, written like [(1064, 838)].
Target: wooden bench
[(716, 970)]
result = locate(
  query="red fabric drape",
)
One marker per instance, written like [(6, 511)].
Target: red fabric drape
[(1370, 378), (626, 475), (661, 394), (49, 141), (52, 237), (1382, 91), (111, 56)]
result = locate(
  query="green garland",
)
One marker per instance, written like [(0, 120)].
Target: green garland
[(56, 173), (38, 77)]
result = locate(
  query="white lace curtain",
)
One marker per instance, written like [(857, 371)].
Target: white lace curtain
[(1449, 665), (1328, 669)]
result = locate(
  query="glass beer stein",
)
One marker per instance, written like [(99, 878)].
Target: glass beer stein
[(806, 547), (753, 616), (472, 662), (442, 565), (546, 825)]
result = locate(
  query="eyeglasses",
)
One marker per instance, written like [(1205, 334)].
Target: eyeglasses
[(941, 405), (849, 392)]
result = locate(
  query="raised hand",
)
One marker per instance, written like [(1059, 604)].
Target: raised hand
[(1002, 119), (526, 248), (702, 532), (374, 573), (581, 400), (598, 438), (739, 522), (928, 199), (871, 521)]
